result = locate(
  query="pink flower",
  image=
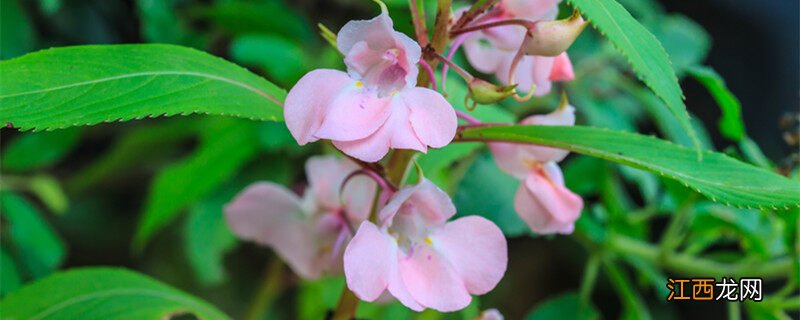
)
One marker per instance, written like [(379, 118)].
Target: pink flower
[(420, 258), (375, 106), (490, 314), (542, 200), (492, 50), (307, 233)]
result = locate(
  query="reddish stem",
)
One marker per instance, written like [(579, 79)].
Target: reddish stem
[(429, 70), (468, 118), (418, 19), (515, 22)]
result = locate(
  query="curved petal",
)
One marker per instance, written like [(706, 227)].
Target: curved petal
[(432, 117), (562, 69), (308, 102), (376, 32), (433, 203), (432, 281), (545, 206), (355, 113), (269, 214), (483, 56), (358, 196), (369, 261), (563, 116), (510, 158), (395, 133), (325, 175), (541, 74), (476, 248), (533, 10)]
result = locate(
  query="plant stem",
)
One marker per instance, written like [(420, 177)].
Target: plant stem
[(398, 165), (268, 291), (440, 36), (694, 266), (346, 308), (418, 19), (477, 8), (673, 237), (590, 277), (630, 298), (510, 22)]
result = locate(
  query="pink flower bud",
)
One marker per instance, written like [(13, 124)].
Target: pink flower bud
[(551, 38)]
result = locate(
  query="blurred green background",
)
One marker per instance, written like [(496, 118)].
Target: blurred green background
[(147, 194)]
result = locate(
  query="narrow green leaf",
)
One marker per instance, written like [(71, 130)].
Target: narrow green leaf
[(565, 306), (730, 125), (50, 193), (35, 150), (222, 151), (86, 85), (644, 53), (103, 293), (717, 176), (38, 247)]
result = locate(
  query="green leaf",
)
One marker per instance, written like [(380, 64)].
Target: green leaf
[(160, 23), (281, 59), (35, 150), (437, 164), (50, 193), (86, 85), (207, 238), (686, 42), (717, 176), (16, 32), (644, 53), (488, 192), (730, 125), (38, 248), (317, 297), (103, 293), (223, 150), (565, 306), (10, 278)]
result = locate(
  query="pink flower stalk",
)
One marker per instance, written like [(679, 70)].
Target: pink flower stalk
[(375, 106), (420, 258), (492, 50), (542, 200), (307, 233)]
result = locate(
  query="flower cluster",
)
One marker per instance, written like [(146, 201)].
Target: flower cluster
[(410, 248)]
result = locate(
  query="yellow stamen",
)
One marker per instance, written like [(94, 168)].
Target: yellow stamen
[(428, 240), (359, 84)]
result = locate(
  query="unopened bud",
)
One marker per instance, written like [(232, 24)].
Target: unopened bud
[(484, 92), (551, 38)]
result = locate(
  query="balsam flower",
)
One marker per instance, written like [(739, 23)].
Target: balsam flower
[(420, 258), (375, 106), (493, 50), (308, 233), (542, 200)]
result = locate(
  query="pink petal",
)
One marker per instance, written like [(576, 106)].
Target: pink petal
[(358, 196), (547, 207), (511, 158), (271, 215), (395, 133), (308, 101), (325, 175), (425, 199), (533, 9), (354, 114), (563, 116), (476, 248), (562, 69), (484, 58), (432, 117), (377, 32), (369, 261), (432, 281)]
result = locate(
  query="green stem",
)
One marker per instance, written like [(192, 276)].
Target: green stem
[(734, 311), (673, 236), (791, 303), (590, 277), (267, 292), (694, 266), (630, 298), (346, 309)]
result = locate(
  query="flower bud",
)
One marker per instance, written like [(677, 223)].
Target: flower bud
[(484, 92), (551, 38)]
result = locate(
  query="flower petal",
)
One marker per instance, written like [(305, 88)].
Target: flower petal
[(432, 203), (485, 57), (432, 117), (563, 116), (395, 133), (325, 175), (476, 248), (308, 101), (369, 261), (432, 281), (354, 114), (547, 207), (510, 158), (562, 69), (269, 214)]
